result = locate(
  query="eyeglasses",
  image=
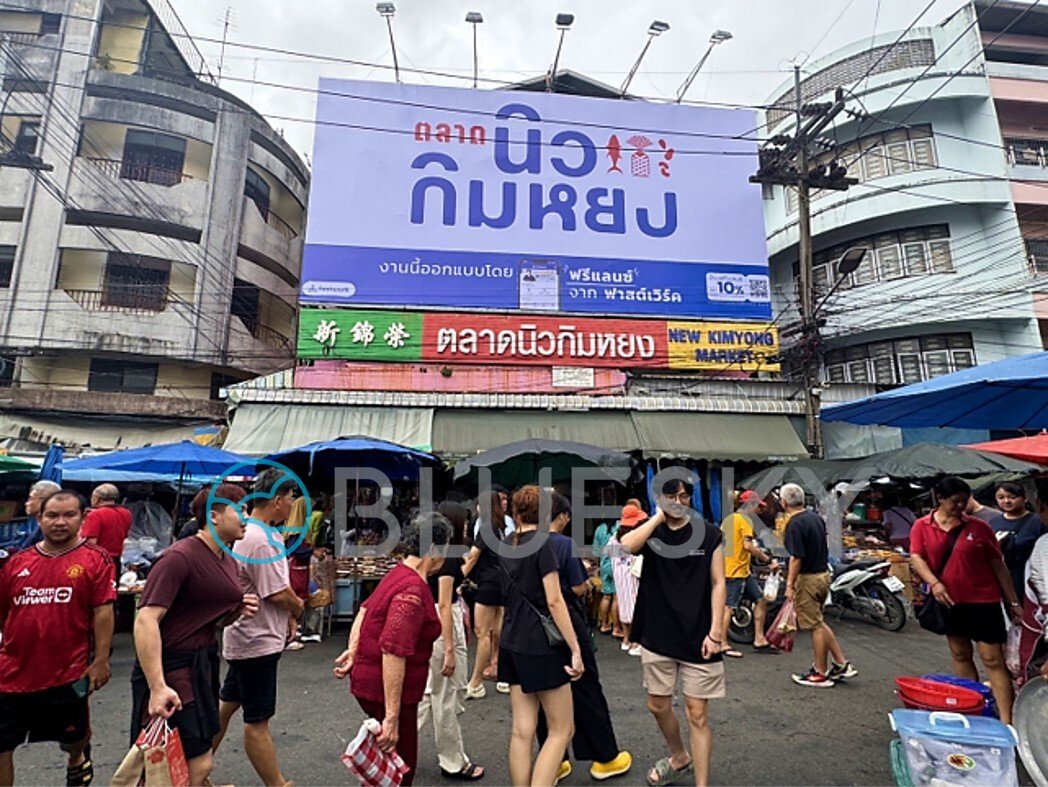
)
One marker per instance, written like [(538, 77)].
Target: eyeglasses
[(680, 497)]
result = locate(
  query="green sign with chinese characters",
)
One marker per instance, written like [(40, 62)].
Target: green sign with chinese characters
[(359, 335)]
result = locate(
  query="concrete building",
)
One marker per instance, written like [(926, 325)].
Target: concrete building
[(158, 258), (951, 200)]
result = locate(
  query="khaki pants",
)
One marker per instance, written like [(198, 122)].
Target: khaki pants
[(443, 696)]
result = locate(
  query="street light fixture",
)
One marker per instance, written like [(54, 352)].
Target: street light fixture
[(564, 23), (718, 37), (846, 265), (474, 18), (656, 28), (387, 11)]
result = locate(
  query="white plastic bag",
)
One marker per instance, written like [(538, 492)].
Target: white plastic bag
[(637, 566), (771, 586), (1011, 651)]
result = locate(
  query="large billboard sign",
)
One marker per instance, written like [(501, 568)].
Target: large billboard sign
[(445, 337), (516, 201)]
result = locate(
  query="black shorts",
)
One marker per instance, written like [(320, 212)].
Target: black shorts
[(252, 684), (977, 622), (534, 673), (489, 593), (195, 740), (55, 714)]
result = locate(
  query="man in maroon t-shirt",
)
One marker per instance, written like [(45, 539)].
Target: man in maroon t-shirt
[(56, 618), (107, 523)]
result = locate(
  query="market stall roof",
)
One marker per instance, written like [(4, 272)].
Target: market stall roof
[(185, 459), (263, 429), (465, 432), (520, 462), (323, 458), (813, 475), (1008, 394), (725, 436), (13, 470), (1030, 449), (22, 432)]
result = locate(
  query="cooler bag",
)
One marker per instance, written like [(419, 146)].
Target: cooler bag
[(952, 749)]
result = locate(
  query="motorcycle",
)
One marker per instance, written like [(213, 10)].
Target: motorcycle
[(741, 625), (866, 588)]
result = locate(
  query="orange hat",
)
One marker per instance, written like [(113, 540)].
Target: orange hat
[(750, 497), (632, 516)]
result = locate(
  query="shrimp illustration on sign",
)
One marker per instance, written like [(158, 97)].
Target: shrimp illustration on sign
[(667, 156), (640, 162), (614, 153)]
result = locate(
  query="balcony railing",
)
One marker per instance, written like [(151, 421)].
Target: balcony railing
[(281, 226), (1026, 152), (268, 336), (1037, 254), (144, 173), (123, 298), (19, 37)]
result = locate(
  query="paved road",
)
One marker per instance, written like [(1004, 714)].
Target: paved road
[(767, 731)]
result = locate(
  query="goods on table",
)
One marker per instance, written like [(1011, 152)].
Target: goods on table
[(364, 566), (947, 748), (930, 695), (851, 555)]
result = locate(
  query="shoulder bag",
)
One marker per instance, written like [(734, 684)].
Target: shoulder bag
[(932, 616), (549, 626)]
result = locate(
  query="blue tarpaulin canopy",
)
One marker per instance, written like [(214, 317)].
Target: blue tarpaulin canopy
[(186, 460), (1008, 394), (397, 462)]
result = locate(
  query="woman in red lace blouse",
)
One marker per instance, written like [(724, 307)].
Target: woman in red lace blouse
[(390, 644)]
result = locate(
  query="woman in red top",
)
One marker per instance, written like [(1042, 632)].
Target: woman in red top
[(970, 586), (391, 641)]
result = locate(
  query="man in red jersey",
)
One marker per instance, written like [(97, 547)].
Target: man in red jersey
[(56, 619), (107, 523)]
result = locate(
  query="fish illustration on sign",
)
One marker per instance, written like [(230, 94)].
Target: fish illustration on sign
[(614, 153)]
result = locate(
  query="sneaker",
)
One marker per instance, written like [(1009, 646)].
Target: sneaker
[(605, 770), (502, 687), (476, 692), (625, 646), (841, 671), (635, 650), (563, 772), (812, 678), (311, 638)]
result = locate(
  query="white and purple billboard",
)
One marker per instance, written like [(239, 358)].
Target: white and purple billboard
[(517, 201)]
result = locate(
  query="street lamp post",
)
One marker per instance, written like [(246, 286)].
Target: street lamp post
[(718, 37), (474, 18), (387, 11), (564, 23), (656, 28)]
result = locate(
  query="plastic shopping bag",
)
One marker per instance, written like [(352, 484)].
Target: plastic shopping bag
[(771, 586), (1012, 659), (780, 636), (372, 766), (159, 755)]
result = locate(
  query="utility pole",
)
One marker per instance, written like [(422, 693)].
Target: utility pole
[(785, 162)]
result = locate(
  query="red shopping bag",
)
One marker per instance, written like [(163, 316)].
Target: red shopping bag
[(780, 635), (372, 766), (165, 760)]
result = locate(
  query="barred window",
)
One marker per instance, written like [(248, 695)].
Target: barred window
[(901, 361)]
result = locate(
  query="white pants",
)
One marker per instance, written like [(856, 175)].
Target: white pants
[(443, 696)]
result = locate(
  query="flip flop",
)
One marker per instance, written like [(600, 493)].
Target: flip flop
[(471, 773), (767, 648), (83, 774), (666, 774), (731, 653)]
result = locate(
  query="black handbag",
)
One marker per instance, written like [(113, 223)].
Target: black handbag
[(549, 626), (933, 615)]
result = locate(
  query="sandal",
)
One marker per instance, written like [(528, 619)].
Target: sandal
[(731, 653), (83, 774), (666, 774), (471, 773)]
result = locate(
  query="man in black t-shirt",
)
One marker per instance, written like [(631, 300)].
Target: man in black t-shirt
[(680, 604), (808, 586)]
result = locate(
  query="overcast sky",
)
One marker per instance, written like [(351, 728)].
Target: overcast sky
[(517, 40)]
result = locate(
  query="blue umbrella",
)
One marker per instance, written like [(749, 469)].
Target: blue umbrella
[(1011, 394), (185, 460), (51, 469), (397, 462)]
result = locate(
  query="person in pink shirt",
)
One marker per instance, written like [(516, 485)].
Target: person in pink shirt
[(253, 646)]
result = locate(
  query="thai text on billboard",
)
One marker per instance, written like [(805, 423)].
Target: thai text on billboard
[(517, 201)]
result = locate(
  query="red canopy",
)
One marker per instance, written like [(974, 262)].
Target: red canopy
[(1032, 449)]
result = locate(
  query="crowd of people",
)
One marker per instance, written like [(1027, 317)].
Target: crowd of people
[(667, 584)]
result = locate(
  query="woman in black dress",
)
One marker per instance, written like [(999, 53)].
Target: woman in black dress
[(482, 567)]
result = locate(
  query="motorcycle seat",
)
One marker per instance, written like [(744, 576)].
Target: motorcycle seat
[(840, 568)]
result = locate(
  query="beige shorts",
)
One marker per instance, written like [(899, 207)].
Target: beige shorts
[(810, 594), (700, 681)]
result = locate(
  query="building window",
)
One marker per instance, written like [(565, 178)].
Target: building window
[(50, 24), (245, 305), (256, 189), (7, 265), (878, 156), (116, 376), (153, 158), (918, 251), (28, 136), (135, 282), (1037, 254), (901, 361)]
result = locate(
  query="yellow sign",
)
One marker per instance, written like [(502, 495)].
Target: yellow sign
[(723, 346)]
